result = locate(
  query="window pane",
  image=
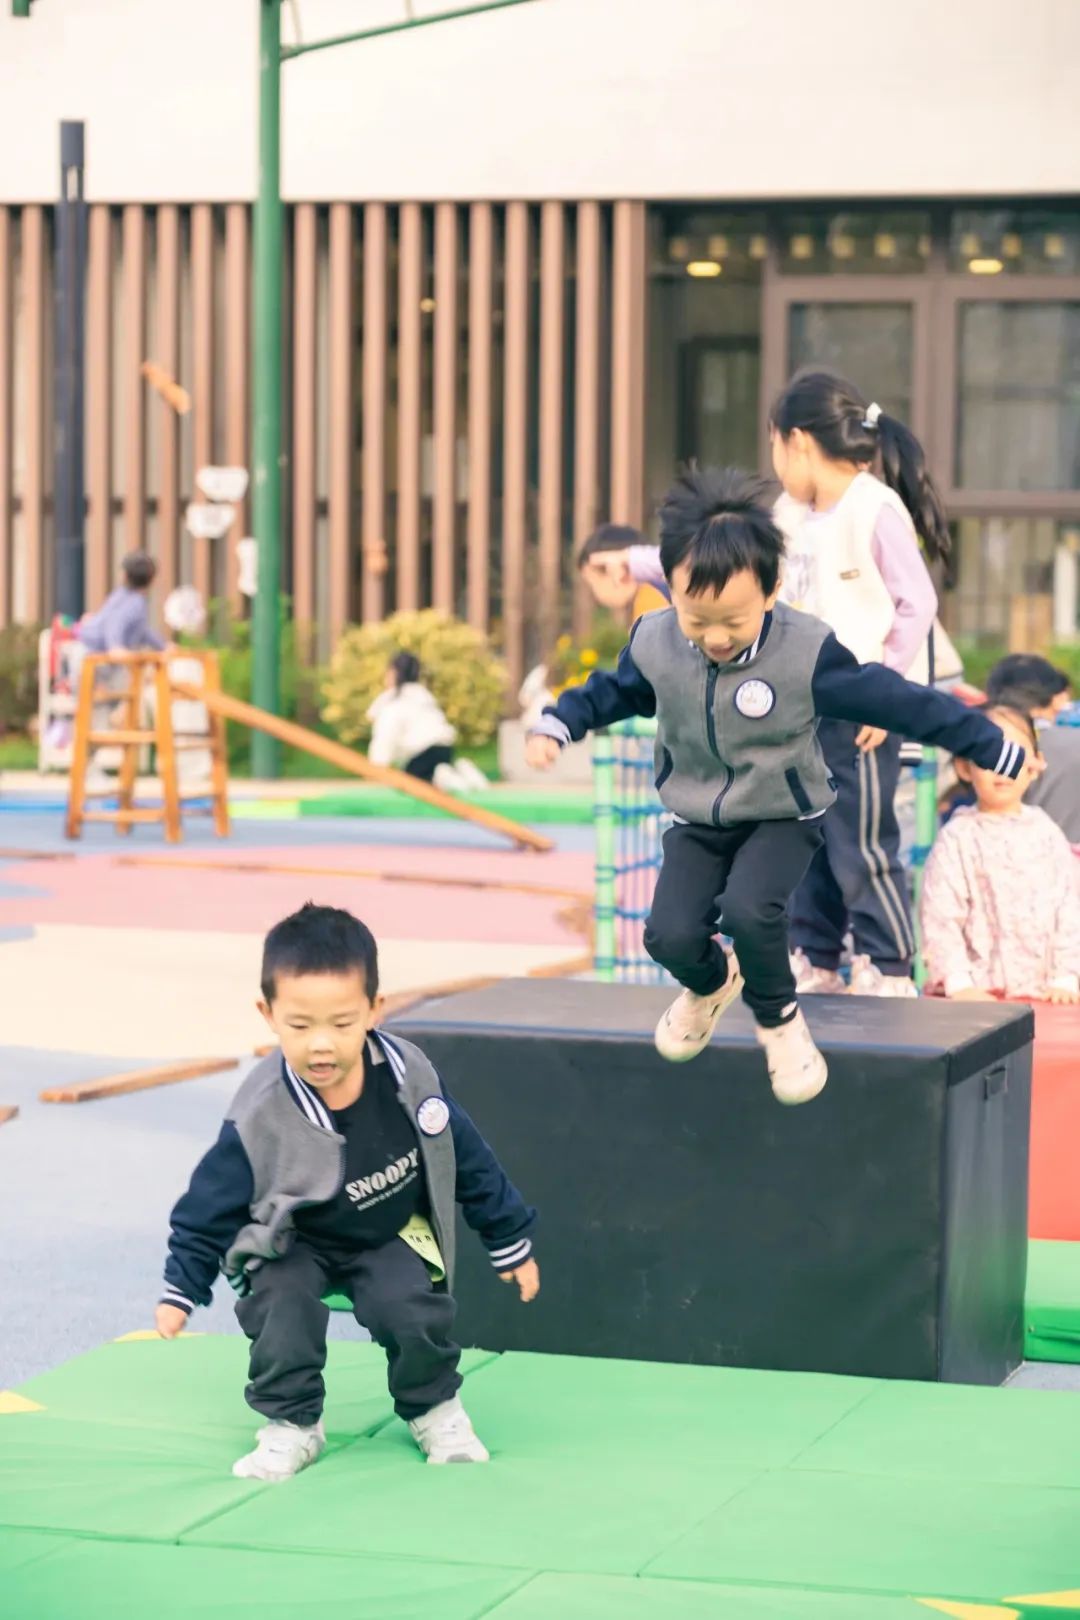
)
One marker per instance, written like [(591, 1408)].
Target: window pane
[(1019, 404), (1013, 241), (861, 242), (869, 344), (1015, 582)]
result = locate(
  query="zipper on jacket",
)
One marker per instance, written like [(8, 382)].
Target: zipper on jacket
[(710, 717), (718, 802)]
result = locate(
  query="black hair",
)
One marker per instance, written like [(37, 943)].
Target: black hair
[(319, 939), (718, 520), (139, 570), (1025, 681), (405, 667), (835, 415), (609, 537)]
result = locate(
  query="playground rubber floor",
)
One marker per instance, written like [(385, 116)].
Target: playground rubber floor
[(616, 1491)]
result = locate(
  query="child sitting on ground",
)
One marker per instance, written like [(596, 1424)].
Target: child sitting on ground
[(737, 682), (410, 732), (999, 911), (337, 1169)]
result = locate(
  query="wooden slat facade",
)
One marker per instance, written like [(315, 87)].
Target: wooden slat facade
[(464, 400)]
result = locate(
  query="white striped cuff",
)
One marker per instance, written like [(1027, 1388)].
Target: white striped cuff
[(549, 725), (173, 1296), (509, 1258), (1010, 760)]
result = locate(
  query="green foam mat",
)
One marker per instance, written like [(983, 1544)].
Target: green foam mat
[(951, 1431), (566, 807), (951, 1538), (1052, 1305), (597, 1597), (114, 1579)]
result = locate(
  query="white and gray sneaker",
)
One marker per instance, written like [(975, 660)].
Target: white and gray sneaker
[(686, 1028), (446, 1435), (815, 981), (797, 1069), (282, 1450), (867, 979)]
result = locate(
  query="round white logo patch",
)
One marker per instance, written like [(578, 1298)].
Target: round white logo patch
[(433, 1116), (754, 699)]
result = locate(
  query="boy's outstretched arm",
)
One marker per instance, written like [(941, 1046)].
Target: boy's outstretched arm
[(870, 694), (492, 1205), (604, 699), (203, 1224)]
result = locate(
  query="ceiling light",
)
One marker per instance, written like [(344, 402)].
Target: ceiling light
[(842, 246), (703, 269), (885, 245), (802, 247), (970, 245), (1054, 246), (679, 249), (1012, 244), (985, 267), (924, 246), (718, 247), (758, 247)]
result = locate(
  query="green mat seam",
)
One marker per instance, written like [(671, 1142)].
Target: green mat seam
[(497, 1603), (861, 1402)]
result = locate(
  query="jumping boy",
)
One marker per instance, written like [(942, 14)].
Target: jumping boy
[(337, 1169), (738, 683)]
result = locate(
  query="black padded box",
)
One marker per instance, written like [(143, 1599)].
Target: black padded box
[(686, 1216)]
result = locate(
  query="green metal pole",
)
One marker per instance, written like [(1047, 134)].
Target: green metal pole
[(266, 393), (604, 942), (926, 817)]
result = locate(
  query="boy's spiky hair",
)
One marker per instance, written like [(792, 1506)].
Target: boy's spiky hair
[(319, 939), (718, 521)]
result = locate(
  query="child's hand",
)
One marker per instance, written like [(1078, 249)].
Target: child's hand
[(973, 993), (1063, 998), (869, 738), (541, 752), (527, 1278), (170, 1320)]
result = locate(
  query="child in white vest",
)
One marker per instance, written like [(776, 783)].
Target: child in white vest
[(410, 732), (855, 562)]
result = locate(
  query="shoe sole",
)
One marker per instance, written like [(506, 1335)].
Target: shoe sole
[(805, 1096), (679, 1054)]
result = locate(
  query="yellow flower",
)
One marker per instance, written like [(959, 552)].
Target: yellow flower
[(589, 658), (564, 644)]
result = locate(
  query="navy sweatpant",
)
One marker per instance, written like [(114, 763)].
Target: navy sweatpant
[(856, 880)]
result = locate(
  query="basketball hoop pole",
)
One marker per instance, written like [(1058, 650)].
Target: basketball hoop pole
[(267, 450)]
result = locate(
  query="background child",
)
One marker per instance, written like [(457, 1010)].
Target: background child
[(737, 683), (1033, 685), (121, 624), (999, 908), (411, 732), (855, 562), (337, 1169), (622, 570)]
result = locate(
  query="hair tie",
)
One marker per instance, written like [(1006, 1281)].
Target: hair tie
[(870, 420)]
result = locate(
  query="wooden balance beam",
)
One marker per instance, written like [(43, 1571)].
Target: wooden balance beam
[(357, 764)]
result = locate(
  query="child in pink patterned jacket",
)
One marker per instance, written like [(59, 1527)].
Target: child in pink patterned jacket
[(1000, 908)]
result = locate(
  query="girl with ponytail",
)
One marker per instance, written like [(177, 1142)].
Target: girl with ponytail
[(855, 561)]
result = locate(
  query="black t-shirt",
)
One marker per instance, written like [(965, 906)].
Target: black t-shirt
[(384, 1182)]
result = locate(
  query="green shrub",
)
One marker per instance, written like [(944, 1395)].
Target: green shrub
[(231, 637), (979, 659), (18, 676), (457, 664)]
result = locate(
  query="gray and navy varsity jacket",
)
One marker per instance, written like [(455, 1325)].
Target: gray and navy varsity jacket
[(278, 1151), (738, 742)]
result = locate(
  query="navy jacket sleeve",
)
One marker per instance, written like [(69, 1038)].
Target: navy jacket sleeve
[(871, 695), (489, 1201), (206, 1219), (604, 699)]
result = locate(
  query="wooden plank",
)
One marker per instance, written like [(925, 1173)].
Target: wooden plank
[(515, 438), (481, 274), (627, 363), (99, 367), (134, 321), (202, 373), (167, 355), (373, 362), (444, 512), (7, 396), (305, 417), (552, 336), (409, 402), (586, 396), (357, 764), (120, 1085), (8, 1111), (237, 379), (33, 432), (341, 426)]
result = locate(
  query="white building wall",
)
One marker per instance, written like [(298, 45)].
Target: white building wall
[(571, 98)]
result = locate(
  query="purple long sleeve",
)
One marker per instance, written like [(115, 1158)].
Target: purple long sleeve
[(901, 566), (644, 565)]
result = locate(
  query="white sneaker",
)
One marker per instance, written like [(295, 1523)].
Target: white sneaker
[(471, 776), (283, 1449), (686, 1027), (446, 1435), (447, 779), (815, 981), (797, 1069), (868, 980)]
